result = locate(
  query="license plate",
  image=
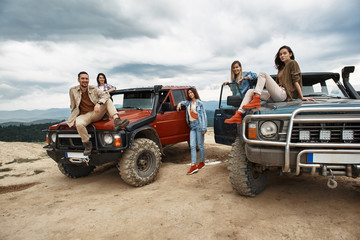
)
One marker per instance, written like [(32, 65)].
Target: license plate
[(74, 155), (334, 158)]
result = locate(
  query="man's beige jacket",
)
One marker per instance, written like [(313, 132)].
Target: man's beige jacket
[(95, 95)]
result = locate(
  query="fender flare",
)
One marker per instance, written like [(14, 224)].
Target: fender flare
[(146, 131)]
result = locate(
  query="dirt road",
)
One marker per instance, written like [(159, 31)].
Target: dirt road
[(38, 202)]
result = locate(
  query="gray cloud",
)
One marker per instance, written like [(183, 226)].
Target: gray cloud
[(66, 20), (149, 71), (15, 88), (184, 42)]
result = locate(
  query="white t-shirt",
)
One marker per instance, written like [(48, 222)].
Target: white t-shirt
[(192, 106)]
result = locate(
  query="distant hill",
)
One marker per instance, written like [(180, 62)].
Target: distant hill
[(27, 117), (26, 125), (6, 124), (211, 105)]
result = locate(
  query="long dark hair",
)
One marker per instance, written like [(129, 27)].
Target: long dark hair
[(278, 63), (97, 79), (195, 94)]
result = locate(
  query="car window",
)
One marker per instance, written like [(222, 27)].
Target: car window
[(179, 95), (228, 92), (138, 100), (327, 87), (162, 96)]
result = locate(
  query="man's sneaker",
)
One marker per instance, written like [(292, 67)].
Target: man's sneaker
[(88, 148), (118, 123), (192, 170), (201, 165)]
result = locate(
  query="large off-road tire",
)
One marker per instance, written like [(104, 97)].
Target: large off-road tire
[(246, 177), (140, 164), (75, 171)]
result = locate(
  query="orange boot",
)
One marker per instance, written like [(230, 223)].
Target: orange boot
[(237, 118), (254, 103)]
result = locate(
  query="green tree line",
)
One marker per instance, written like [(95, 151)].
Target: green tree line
[(34, 133), (24, 133)]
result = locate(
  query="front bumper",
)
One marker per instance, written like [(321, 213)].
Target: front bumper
[(289, 154), (341, 161), (96, 158)]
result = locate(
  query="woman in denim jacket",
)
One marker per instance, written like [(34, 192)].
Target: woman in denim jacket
[(286, 87), (241, 78), (197, 120)]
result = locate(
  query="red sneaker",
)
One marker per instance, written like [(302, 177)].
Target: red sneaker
[(237, 118), (254, 103), (201, 165), (192, 170)]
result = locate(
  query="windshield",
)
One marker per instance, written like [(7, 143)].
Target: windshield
[(136, 100), (323, 88)]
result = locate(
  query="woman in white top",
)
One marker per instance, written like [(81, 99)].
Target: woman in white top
[(102, 83), (197, 120)]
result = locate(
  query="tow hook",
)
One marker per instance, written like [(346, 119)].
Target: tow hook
[(85, 159), (332, 182)]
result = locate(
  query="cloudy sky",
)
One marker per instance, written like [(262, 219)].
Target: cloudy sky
[(45, 43)]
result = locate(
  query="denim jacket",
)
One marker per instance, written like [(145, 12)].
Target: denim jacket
[(244, 84), (201, 113)]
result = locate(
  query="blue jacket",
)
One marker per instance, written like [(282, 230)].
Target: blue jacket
[(244, 84), (201, 113)]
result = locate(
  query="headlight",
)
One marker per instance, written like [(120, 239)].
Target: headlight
[(53, 137), (268, 129), (108, 139)]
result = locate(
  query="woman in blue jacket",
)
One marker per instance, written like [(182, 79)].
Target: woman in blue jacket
[(241, 78), (197, 120)]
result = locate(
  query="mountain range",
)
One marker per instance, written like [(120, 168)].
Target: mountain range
[(28, 117)]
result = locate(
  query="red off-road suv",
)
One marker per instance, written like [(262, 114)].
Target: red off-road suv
[(154, 124)]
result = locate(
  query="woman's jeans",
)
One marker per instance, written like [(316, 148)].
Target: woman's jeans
[(196, 136), (273, 91)]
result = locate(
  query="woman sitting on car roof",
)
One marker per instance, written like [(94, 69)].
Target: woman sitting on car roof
[(287, 86)]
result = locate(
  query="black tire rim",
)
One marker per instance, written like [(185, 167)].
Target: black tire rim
[(145, 163), (255, 172)]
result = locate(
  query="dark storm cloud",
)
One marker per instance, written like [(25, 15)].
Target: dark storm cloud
[(36, 20)]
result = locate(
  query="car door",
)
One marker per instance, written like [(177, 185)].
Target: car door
[(170, 124), (229, 102)]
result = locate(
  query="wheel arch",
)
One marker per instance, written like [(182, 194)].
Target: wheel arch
[(146, 132)]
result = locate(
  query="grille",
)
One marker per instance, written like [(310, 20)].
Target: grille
[(76, 142), (335, 128), (72, 142)]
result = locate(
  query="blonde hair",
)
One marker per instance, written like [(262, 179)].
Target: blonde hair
[(240, 75)]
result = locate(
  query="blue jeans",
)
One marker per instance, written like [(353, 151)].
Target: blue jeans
[(196, 136)]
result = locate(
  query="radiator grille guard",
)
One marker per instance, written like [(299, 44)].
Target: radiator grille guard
[(334, 119)]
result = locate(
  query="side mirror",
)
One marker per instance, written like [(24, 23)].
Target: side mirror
[(234, 101)]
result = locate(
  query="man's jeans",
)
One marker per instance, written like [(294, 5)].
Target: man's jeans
[(196, 136)]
